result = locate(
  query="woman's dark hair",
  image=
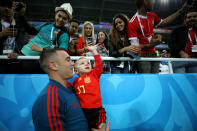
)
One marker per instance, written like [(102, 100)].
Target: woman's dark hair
[(115, 35), (106, 39)]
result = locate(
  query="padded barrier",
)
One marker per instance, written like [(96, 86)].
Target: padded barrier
[(133, 102)]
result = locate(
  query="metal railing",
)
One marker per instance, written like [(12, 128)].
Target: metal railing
[(113, 59)]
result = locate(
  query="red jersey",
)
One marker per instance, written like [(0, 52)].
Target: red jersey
[(192, 40), (141, 28), (87, 86)]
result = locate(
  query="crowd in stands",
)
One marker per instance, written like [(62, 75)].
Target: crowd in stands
[(127, 37)]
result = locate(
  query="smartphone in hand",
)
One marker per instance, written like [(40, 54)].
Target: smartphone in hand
[(89, 40)]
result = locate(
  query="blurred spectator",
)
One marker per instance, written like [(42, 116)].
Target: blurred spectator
[(76, 40), (50, 35), (183, 43), (12, 35), (164, 53), (102, 46), (88, 38), (140, 33), (119, 44), (102, 43)]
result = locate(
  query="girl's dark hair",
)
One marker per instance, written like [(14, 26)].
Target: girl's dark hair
[(106, 39), (115, 35)]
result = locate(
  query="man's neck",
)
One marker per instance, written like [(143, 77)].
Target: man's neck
[(58, 79), (142, 11)]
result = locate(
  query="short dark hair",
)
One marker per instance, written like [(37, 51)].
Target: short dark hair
[(46, 55), (139, 3), (191, 9), (75, 20), (6, 3)]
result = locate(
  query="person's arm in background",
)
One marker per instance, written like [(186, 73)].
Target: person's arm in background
[(81, 51), (113, 51), (98, 69), (21, 16), (34, 47), (63, 41), (183, 54), (172, 17), (156, 39)]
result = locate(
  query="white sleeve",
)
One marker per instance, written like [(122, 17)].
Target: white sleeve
[(134, 41), (159, 23)]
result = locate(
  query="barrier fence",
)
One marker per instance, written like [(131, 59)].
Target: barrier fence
[(133, 102), (169, 60)]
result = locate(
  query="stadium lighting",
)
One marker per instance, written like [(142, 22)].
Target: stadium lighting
[(164, 2)]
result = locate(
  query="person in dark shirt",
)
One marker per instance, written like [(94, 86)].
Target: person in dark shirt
[(57, 107), (183, 43)]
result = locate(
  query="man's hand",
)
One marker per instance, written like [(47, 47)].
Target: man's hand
[(102, 47), (90, 44), (183, 54), (74, 41), (13, 55), (133, 48), (102, 127), (34, 47), (156, 39)]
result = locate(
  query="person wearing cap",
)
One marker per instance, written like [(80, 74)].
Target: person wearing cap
[(48, 34)]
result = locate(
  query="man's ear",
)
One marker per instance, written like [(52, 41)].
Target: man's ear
[(52, 65), (76, 71)]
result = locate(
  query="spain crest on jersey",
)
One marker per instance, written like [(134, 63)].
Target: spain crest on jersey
[(87, 80)]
